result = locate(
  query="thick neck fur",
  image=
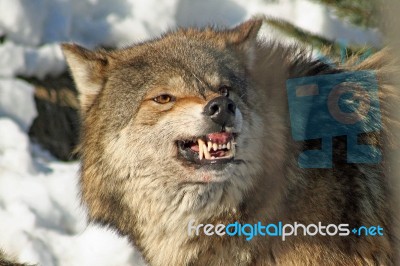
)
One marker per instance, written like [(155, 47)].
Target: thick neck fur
[(154, 211)]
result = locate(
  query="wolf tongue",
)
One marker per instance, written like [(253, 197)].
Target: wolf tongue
[(194, 147), (217, 153), (221, 137)]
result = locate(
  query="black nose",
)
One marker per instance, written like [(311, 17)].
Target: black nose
[(221, 110)]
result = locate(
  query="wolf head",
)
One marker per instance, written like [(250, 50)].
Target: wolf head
[(174, 127), (194, 125)]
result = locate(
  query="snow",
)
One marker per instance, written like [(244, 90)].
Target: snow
[(34, 28), (41, 219), (17, 93), (40, 209)]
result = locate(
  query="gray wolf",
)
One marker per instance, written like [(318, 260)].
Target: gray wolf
[(193, 127)]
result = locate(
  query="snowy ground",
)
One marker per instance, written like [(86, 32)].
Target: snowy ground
[(41, 220)]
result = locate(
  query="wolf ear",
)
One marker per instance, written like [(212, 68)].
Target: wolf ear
[(244, 37), (246, 32), (88, 69)]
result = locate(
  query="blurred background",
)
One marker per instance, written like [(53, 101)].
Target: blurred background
[(40, 216)]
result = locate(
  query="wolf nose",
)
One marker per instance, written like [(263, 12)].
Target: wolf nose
[(221, 110)]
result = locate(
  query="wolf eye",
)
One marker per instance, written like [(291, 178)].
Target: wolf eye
[(224, 91), (163, 98)]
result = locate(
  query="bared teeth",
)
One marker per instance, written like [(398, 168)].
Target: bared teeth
[(209, 146), (205, 149), (201, 147), (206, 153)]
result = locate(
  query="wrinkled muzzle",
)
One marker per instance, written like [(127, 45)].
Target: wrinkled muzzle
[(219, 145)]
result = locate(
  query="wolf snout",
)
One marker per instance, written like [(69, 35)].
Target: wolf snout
[(221, 110)]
